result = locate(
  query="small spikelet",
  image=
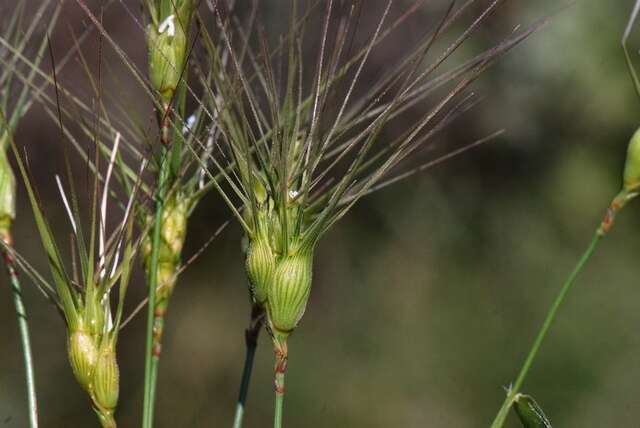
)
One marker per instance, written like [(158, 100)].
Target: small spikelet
[(174, 229), (530, 413), (172, 237), (289, 292), (260, 266), (83, 355), (167, 45), (106, 378), (632, 165)]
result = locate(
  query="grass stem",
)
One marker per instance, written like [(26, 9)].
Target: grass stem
[(513, 390), (24, 336), (152, 354), (280, 370), (277, 417), (251, 339)]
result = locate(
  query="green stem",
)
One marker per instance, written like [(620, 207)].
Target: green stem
[(280, 370), (24, 336), (152, 357), (504, 410), (251, 339), (277, 417)]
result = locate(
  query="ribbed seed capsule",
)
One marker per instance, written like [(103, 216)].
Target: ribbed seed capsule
[(167, 45), (530, 413), (83, 355), (289, 292), (632, 165), (106, 378), (260, 266), (172, 237)]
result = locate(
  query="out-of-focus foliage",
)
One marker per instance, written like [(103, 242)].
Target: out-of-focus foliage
[(429, 293)]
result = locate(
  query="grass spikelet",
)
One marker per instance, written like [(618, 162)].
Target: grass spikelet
[(299, 157), (106, 261)]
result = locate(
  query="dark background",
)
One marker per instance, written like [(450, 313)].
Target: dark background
[(426, 297)]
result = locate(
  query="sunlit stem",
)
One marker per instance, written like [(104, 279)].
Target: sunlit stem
[(251, 339), (607, 223), (23, 326)]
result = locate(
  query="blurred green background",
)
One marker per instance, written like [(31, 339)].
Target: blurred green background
[(428, 294)]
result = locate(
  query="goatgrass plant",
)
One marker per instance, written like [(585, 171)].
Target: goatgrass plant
[(179, 182), (289, 152), (167, 40), (300, 156), (177, 187), (99, 267)]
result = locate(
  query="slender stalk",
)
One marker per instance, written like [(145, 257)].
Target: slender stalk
[(280, 370), (152, 353), (513, 391), (277, 418), (23, 326), (251, 339)]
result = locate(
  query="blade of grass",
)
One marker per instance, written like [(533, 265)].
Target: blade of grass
[(23, 326), (553, 310)]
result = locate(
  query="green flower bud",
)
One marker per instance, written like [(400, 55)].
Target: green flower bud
[(83, 355), (260, 264), (106, 378), (167, 43), (174, 229), (172, 236), (529, 412), (632, 165), (289, 292)]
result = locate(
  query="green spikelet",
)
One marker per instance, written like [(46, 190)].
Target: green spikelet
[(260, 266), (632, 165), (630, 185), (83, 355), (106, 378), (289, 292), (172, 236), (529, 412), (167, 44)]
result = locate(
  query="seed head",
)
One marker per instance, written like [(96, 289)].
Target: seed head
[(167, 39), (260, 265), (289, 292), (172, 236), (300, 156), (83, 355), (106, 378)]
